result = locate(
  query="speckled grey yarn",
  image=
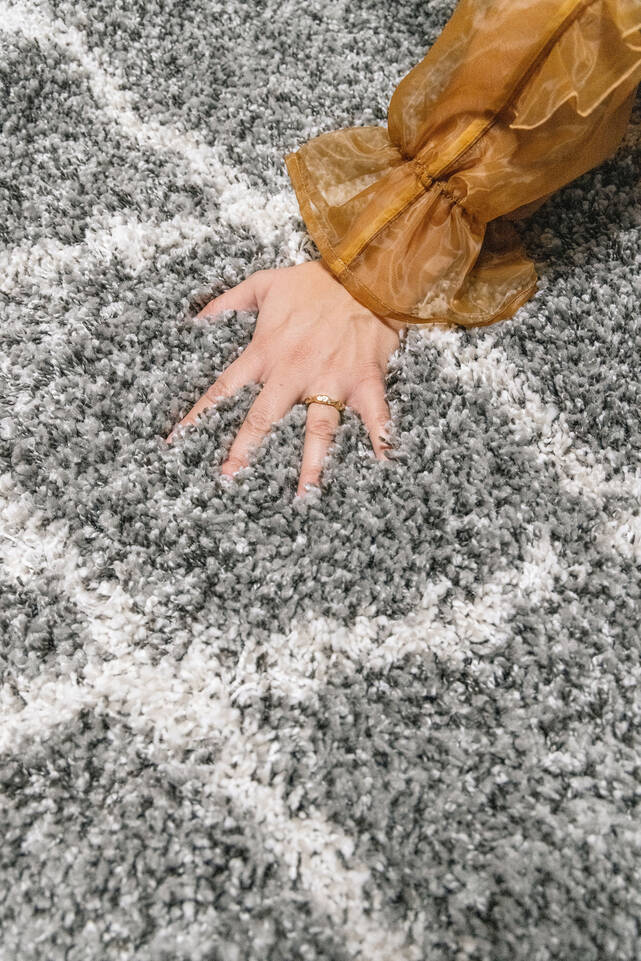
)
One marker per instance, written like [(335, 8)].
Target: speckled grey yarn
[(398, 719)]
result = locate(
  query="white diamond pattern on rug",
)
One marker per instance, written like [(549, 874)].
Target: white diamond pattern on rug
[(398, 720)]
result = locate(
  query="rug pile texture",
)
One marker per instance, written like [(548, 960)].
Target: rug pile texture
[(395, 720)]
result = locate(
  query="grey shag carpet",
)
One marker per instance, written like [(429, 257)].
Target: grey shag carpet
[(396, 720)]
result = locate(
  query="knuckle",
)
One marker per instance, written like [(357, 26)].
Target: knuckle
[(221, 388), (251, 362), (234, 462), (253, 350), (258, 421), (369, 368), (322, 428), (382, 426), (367, 374), (298, 354)]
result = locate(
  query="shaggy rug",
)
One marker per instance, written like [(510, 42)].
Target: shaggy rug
[(395, 720)]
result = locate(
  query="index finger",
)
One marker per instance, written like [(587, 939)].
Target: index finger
[(244, 370)]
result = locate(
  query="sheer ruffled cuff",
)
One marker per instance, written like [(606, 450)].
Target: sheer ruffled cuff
[(406, 250), (514, 99)]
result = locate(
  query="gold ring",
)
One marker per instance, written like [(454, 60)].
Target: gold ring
[(324, 399)]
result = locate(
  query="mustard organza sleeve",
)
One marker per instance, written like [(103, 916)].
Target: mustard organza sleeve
[(515, 99)]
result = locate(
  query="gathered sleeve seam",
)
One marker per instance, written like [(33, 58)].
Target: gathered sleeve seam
[(432, 177), (429, 181), (348, 278), (424, 183)]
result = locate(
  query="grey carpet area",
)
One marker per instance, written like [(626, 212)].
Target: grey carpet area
[(398, 719)]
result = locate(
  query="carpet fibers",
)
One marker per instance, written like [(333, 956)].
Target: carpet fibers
[(396, 720)]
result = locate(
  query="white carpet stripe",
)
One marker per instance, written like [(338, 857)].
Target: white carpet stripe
[(581, 471), (296, 665), (196, 700), (135, 242), (623, 536), (269, 218), (293, 665), (185, 704), (28, 548), (116, 233), (182, 703)]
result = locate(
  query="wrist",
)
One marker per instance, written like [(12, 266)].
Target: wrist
[(397, 325)]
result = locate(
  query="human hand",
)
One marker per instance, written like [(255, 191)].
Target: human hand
[(311, 337)]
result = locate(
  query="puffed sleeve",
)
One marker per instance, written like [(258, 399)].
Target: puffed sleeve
[(514, 99)]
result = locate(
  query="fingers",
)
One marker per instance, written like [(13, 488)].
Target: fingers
[(244, 296), (368, 399), (273, 402), (244, 370), (320, 428)]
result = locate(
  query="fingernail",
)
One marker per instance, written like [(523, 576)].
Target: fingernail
[(307, 488)]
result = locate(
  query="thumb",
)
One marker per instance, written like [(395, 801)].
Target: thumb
[(246, 295)]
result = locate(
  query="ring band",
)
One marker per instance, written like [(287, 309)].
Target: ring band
[(324, 399)]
